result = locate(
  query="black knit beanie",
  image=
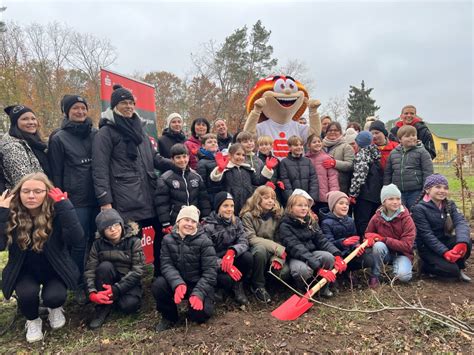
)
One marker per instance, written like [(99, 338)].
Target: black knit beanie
[(69, 100), (15, 112), (379, 126), (220, 198), (120, 94)]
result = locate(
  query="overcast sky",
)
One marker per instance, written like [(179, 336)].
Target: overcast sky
[(409, 51)]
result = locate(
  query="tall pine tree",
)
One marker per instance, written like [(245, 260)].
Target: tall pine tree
[(360, 104)]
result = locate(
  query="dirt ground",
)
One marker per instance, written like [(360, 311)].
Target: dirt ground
[(253, 329)]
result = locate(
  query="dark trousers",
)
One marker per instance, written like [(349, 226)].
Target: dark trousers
[(27, 289), (164, 297), (154, 222), (437, 265), (79, 251), (128, 302), (244, 263), (261, 264), (363, 212)]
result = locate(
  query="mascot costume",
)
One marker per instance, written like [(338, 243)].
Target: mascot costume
[(274, 106)]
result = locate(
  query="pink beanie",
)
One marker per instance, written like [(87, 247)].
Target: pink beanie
[(335, 196)]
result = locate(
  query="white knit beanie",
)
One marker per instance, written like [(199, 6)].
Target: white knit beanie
[(303, 193), (188, 212), (171, 117), (350, 135)]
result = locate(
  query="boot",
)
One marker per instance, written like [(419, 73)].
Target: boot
[(239, 294), (164, 324), (326, 292), (101, 313)]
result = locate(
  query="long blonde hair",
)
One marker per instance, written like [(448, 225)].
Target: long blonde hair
[(30, 231), (253, 203)]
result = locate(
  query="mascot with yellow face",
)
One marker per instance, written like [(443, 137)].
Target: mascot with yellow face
[(274, 106)]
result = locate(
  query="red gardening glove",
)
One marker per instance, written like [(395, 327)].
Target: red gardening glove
[(57, 195), (351, 241), (281, 185), (270, 184), (196, 303), (167, 230), (283, 255), (228, 260), (451, 256), (179, 293), (361, 252), (99, 298), (221, 161), (276, 265), (329, 163), (328, 275), (352, 200), (234, 273), (271, 162), (372, 238), (339, 264), (194, 151), (460, 249), (108, 290)]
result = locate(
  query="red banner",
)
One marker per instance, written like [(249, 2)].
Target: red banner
[(148, 238)]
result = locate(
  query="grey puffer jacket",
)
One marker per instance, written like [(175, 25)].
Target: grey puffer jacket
[(408, 168)]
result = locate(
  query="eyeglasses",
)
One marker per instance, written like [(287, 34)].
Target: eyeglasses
[(36, 192), (112, 227), (333, 130)]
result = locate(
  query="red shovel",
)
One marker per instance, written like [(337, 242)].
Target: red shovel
[(295, 306)]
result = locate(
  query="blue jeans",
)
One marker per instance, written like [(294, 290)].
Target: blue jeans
[(402, 266), (86, 217), (409, 198)]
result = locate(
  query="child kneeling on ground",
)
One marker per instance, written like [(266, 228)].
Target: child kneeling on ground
[(114, 268), (230, 242), (391, 233), (189, 270), (443, 235)]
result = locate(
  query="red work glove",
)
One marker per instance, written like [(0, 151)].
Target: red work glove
[(352, 200), (328, 275), (196, 303), (167, 230), (372, 238), (108, 290), (451, 256), (460, 249), (228, 260), (351, 241), (276, 265), (221, 161), (234, 273), (271, 162), (57, 195), (329, 163), (99, 298), (361, 251), (281, 185), (339, 264), (194, 151), (283, 255), (179, 293), (270, 184)]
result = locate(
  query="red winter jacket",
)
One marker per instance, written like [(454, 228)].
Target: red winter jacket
[(400, 232), (328, 179), (385, 151)]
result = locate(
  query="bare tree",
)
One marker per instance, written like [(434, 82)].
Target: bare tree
[(298, 70), (336, 107)]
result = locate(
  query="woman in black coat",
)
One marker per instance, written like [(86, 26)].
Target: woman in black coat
[(172, 134), (37, 223)]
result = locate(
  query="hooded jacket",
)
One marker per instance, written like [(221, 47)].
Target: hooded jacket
[(298, 173), (422, 132), (328, 179), (167, 140)]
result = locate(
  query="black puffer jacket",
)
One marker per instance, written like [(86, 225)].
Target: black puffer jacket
[(298, 173), (422, 132), (224, 143), (226, 235), (168, 139), (205, 166), (129, 185), (177, 188), (336, 229), (408, 169), (302, 238), (190, 260), (67, 232), (127, 258), (70, 161)]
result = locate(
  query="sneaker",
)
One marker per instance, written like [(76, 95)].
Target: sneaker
[(164, 324), (34, 330), (56, 317), (374, 282), (239, 294), (261, 294), (464, 277), (101, 313)]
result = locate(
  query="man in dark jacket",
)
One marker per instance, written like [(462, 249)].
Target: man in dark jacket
[(409, 117), (172, 134), (115, 267), (189, 269), (224, 138)]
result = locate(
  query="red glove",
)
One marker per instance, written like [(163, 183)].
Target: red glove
[(328, 275), (221, 161), (228, 260), (460, 249), (57, 195), (281, 185), (451, 256), (167, 230), (352, 200), (361, 251), (196, 303), (99, 298), (372, 238), (179, 293), (194, 151), (329, 163), (108, 290), (339, 264), (283, 255), (351, 241), (270, 184), (234, 273), (271, 162), (276, 265)]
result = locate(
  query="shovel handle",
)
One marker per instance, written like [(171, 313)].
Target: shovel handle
[(323, 281)]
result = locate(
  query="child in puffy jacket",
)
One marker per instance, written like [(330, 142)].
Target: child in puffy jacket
[(207, 163), (443, 235), (391, 233), (230, 242)]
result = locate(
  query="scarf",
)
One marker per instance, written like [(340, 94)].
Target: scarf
[(132, 132), (34, 141), (328, 143), (207, 153), (79, 129), (391, 218)]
